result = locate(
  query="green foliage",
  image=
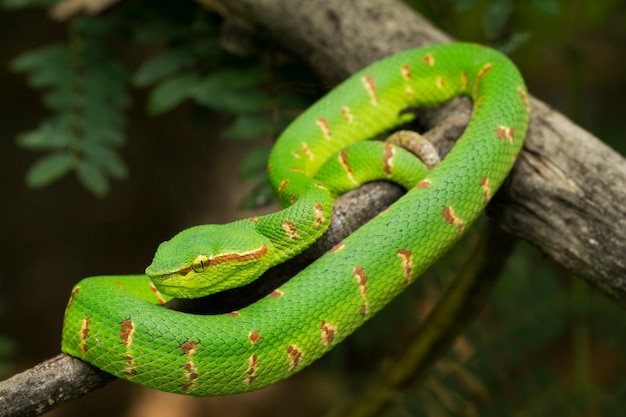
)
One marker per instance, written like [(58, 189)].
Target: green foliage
[(84, 89), (15, 4), (501, 26), (255, 163)]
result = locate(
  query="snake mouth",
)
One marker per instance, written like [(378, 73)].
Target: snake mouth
[(171, 284)]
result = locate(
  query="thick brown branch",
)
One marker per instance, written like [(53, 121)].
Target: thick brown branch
[(567, 190)]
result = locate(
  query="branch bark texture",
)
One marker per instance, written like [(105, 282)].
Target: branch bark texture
[(567, 191)]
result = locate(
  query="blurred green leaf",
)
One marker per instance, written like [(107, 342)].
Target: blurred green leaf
[(107, 158), (47, 137), (462, 5), (550, 7), (254, 165), (39, 58), (246, 127), (49, 169), (497, 15), (260, 196), (170, 93), (291, 100), (232, 91), (15, 4), (162, 65), (92, 178)]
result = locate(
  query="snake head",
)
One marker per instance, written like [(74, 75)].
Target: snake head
[(207, 259)]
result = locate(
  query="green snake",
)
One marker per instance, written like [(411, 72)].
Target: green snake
[(117, 324)]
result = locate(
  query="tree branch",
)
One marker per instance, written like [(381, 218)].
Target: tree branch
[(566, 192)]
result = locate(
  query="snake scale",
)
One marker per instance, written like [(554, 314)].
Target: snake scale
[(116, 322)]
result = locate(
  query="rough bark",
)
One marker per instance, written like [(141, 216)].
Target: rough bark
[(565, 194)]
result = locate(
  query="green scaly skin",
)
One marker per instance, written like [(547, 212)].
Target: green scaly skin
[(116, 323)]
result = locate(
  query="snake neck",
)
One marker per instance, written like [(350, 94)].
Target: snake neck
[(297, 226)]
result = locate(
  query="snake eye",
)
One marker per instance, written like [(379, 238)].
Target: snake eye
[(201, 263)]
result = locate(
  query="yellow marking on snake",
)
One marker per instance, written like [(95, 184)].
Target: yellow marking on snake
[(429, 59), (319, 215), (388, 157), (406, 258), (505, 132), (157, 294), (483, 71), (405, 70), (239, 256), (71, 301), (253, 362), (254, 336), (328, 333), (524, 97), (83, 334), (484, 184), (368, 83), (276, 294), (281, 188), (307, 151), (345, 112), (425, 183), (321, 186), (190, 371), (339, 246), (127, 331), (451, 218), (290, 230), (343, 161), (361, 280), (295, 356), (323, 124)]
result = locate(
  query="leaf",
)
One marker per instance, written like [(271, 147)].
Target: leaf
[(260, 196), (291, 100), (170, 93), (49, 168), (246, 127), (51, 76), (40, 58), (254, 165), (46, 137), (16, 4), (497, 15), (550, 7), (162, 66), (107, 158), (92, 178), (244, 102), (462, 5)]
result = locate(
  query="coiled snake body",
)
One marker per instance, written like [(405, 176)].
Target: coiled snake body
[(116, 323)]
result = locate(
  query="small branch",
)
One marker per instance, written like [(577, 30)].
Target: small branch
[(49, 385), (566, 192)]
